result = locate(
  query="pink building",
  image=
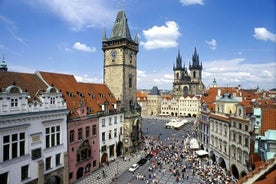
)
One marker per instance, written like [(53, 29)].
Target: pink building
[(85, 102)]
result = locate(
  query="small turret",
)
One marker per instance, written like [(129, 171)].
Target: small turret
[(3, 65)]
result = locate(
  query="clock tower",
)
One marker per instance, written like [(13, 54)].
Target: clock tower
[(120, 75)]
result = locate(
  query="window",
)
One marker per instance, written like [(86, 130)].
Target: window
[(109, 135), (115, 132), (79, 133), (121, 130), (14, 102), (72, 134), (240, 126), (246, 127), (103, 122), (94, 130), (48, 163), (13, 146), (36, 153), (103, 136), (115, 120), (58, 159), (70, 175), (24, 172), (234, 153), (52, 100), (52, 136), (130, 82), (246, 142), (240, 155), (121, 118), (109, 120), (4, 178), (240, 139), (87, 132), (84, 151)]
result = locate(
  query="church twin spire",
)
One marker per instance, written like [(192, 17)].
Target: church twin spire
[(195, 62)]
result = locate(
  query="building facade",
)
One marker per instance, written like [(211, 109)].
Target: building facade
[(154, 99), (33, 131)]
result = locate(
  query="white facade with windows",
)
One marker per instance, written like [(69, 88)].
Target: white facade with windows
[(33, 136), (189, 106), (111, 136)]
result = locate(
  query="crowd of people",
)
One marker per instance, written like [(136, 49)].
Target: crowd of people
[(175, 157)]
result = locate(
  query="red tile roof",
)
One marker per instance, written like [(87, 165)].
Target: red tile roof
[(262, 174), (94, 95), (26, 81)]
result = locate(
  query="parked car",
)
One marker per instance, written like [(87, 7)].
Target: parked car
[(149, 156), (142, 161), (133, 168)]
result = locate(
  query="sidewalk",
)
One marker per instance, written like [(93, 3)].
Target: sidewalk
[(117, 165)]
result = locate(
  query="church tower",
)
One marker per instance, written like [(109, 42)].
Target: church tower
[(187, 82), (120, 75), (181, 78), (195, 68)]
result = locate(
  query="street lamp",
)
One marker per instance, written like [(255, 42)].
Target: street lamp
[(117, 162)]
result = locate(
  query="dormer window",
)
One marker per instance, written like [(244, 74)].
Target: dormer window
[(101, 95), (80, 94), (91, 95), (52, 100), (14, 102), (70, 94)]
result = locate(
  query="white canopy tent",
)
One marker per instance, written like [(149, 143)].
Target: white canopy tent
[(201, 152), (194, 144)]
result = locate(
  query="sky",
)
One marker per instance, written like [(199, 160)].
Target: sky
[(235, 40)]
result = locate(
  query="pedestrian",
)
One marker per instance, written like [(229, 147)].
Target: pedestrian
[(187, 177)]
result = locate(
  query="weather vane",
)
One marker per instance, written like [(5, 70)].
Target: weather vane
[(121, 4)]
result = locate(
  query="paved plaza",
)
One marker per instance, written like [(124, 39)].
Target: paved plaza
[(120, 166)]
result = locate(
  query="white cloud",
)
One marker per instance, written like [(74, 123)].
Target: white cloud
[(191, 2), (262, 33), (82, 47), (227, 72), (79, 14), (236, 71), (162, 78), (212, 43), (86, 78), (161, 37)]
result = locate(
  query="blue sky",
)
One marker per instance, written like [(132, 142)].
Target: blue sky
[(235, 39)]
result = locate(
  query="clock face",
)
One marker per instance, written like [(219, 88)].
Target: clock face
[(113, 54)]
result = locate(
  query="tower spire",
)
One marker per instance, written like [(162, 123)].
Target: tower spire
[(3, 65)]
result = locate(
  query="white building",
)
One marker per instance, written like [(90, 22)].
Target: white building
[(33, 132), (111, 136), (189, 105)]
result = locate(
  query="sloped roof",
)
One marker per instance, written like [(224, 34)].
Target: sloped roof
[(27, 82), (167, 96), (94, 95), (120, 28), (101, 94), (263, 174)]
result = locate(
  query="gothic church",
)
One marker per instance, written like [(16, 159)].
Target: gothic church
[(187, 82)]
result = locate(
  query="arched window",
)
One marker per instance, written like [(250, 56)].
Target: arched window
[(130, 82)]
